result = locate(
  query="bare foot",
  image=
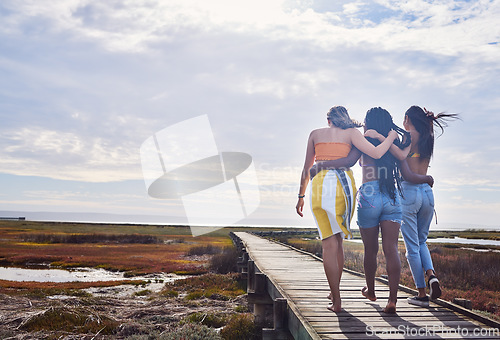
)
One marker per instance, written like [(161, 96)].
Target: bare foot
[(329, 297), (390, 308), (364, 291), (334, 307)]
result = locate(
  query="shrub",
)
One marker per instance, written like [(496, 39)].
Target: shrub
[(170, 293), (143, 292), (71, 320), (208, 285), (198, 294), (241, 309), (205, 249), (241, 327), (207, 319), (192, 331), (225, 262)]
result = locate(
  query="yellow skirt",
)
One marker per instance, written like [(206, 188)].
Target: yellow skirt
[(332, 202)]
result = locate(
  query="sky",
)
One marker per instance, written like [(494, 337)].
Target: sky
[(85, 83)]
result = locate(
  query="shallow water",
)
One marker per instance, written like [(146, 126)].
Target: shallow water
[(79, 275), (461, 240), (458, 240)]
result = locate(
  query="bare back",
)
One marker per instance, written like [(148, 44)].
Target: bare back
[(331, 135), (418, 165)]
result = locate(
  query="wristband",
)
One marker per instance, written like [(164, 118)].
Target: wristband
[(302, 196)]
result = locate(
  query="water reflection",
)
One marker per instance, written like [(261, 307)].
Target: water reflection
[(79, 275)]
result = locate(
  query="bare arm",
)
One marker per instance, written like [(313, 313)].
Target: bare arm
[(394, 149), (304, 178), (375, 152), (413, 177), (341, 163)]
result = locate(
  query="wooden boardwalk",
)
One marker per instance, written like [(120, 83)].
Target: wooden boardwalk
[(299, 278)]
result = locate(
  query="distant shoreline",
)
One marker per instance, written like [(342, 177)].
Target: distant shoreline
[(106, 218)]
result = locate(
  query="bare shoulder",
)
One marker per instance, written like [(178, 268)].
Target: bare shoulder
[(352, 132), (317, 132)]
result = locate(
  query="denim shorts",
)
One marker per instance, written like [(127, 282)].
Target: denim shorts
[(375, 206)]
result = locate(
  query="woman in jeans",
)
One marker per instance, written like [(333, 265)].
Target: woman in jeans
[(379, 204), (418, 202)]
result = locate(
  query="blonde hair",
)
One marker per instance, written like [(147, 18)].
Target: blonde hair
[(339, 117)]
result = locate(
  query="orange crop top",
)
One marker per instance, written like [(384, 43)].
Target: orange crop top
[(331, 151)]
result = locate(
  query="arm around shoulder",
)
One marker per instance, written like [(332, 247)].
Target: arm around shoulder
[(341, 163), (376, 152)]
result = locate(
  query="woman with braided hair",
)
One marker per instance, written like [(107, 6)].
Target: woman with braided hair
[(379, 203)]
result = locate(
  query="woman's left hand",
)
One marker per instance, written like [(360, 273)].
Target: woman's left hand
[(430, 180), (299, 207)]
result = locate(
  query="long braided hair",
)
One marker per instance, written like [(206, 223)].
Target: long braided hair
[(424, 122), (389, 177)]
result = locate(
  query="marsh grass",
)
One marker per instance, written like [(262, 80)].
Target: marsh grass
[(212, 286), (209, 249), (91, 238), (241, 327), (213, 320), (144, 292), (44, 289), (310, 245), (77, 320), (224, 262), (133, 249), (191, 331)]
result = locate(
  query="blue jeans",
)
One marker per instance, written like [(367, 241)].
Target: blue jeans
[(375, 206), (418, 208)]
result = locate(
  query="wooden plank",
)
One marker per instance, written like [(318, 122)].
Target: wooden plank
[(300, 279)]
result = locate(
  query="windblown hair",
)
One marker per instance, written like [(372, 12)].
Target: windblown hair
[(380, 120), (424, 122), (339, 117)]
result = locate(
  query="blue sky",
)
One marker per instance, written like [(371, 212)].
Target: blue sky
[(84, 83)]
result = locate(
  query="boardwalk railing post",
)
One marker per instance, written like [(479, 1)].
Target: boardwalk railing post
[(257, 292), (280, 330), (261, 298), (250, 276), (279, 313), (242, 264)]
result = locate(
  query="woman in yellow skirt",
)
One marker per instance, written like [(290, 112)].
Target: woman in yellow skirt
[(333, 191)]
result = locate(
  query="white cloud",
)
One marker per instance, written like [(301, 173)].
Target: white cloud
[(440, 27), (57, 154)]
